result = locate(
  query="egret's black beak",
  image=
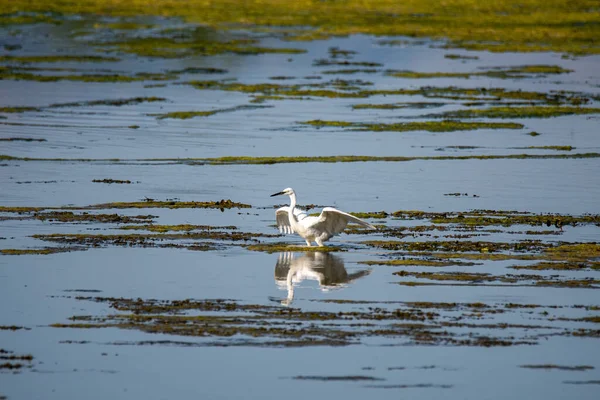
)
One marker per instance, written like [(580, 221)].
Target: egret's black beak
[(277, 194)]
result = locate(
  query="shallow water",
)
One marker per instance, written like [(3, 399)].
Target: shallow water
[(124, 361)]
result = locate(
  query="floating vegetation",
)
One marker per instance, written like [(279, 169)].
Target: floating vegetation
[(42, 251), (58, 58), (459, 246), (221, 322), (364, 215), (192, 114), (474, 28), (557, 148), (172, 228), (150, 203), (519, 112), (21, 139), (110, 102), (12, 110), (430, 126), (110, 181), (396, 106), (356, 89), (11, 328), (159, 240), (221, 204), (560, 266), (500, 218), (484, 279), (16, 74), (14, 362), (524, 71), (417, 262), (186, 43), (198, 70), (337, 378), (351, 71), (70, 217), (560, 367), (324, 62), (246, 160), (452, 56)]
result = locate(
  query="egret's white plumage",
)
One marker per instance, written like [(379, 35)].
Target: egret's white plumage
[(313, 229)]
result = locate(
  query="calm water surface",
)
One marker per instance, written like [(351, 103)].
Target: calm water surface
[(37, 291)]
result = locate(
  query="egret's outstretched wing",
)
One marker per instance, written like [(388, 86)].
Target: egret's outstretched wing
[(283, 221), (334, 221)]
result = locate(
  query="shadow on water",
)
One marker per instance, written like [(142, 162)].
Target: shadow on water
[(325, 268)]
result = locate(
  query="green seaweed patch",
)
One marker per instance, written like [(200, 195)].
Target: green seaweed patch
[(524, 29), (246, 160), (43, 251), (485, 218), (475, 256), (453, 56), (176, 228), (288, 91), (12, 110), (267, 325), (111, 102), (349, 71), (8, 73), (22, 139), (19, 18), (58, 58), (365, 215), (418, 262), (70, 217), (355, 89), (126, 26), (325, 62), (221, 204), (430, 126), (519, 112), (149, 240), (559, 266), (557, 148), (524, 71), (337, 378), (579, 252), (150, 203), (193, 114), (12, 328), (459, 246), (558, 367), (477, 279), (284, 247), (111, 181), (396, 106), (172, 47), (198, 70)]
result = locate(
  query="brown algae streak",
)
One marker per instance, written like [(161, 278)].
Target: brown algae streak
[(265, 325)]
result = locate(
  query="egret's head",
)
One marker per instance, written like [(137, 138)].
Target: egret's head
[(288, 191)]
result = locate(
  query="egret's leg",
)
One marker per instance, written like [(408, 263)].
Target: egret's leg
[(319, 242), (307, 242)]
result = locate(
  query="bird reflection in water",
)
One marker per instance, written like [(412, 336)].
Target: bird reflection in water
[(327, 269)]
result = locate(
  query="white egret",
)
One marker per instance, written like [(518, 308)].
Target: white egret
[(313, 229)]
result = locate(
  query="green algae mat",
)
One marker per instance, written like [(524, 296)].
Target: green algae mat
[(531, 25)]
